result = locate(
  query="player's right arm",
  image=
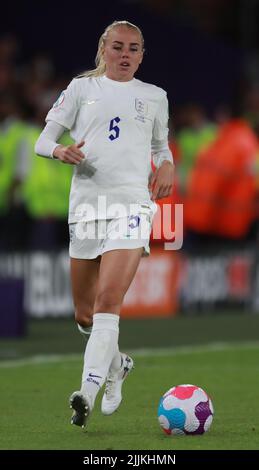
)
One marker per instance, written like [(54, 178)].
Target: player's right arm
[(60, 118), (47, 146)]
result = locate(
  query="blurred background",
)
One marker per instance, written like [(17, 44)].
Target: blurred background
[(204, 53)]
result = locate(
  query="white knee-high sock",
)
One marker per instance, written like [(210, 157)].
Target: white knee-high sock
[(99, 352)]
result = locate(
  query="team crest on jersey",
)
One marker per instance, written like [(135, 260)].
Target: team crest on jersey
[(59, 100), (141, 107)]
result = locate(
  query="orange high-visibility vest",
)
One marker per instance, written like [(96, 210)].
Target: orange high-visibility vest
[(221, 191)]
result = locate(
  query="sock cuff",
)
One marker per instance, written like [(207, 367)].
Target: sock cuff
[(105, 321), (84, 330)]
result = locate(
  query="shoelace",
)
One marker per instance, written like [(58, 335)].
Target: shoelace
[(111, 383)]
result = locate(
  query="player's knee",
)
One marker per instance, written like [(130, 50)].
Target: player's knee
[(84, 316), (108, 301)]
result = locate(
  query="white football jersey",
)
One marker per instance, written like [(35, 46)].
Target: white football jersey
[(122, 123)]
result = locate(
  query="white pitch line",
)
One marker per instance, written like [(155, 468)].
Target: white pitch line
[(182, 350), (142, 352), (39, 360)]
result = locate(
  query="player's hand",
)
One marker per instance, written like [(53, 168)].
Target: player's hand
[(161, 181), (69, 154)]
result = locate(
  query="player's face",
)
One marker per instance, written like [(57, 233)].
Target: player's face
[(122, 53)]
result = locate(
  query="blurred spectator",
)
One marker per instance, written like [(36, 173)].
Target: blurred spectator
[(251, 106), (8, 51), (46, 188), (222, 114), (221, 194), (33, 192), (196, 134), (14, 148), (37, 79)]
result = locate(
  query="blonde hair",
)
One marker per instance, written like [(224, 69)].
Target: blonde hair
[(99, 62)]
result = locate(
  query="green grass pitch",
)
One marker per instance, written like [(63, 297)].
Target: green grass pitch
[(35, 412)]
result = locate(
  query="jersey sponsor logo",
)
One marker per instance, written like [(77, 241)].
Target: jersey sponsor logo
[(59, 100)]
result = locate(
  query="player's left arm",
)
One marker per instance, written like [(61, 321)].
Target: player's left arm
[(161, 181)]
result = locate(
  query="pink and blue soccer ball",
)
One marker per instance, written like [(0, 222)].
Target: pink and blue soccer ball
[(185, 409)]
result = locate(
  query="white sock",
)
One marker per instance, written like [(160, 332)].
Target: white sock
[(116, 362), (99, 353)]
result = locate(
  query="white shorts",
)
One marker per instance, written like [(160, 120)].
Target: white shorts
[(88, 240)]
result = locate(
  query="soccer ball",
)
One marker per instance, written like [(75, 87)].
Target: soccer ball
[(185, 409)]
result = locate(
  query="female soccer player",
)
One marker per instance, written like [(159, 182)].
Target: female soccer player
[(117, 122)]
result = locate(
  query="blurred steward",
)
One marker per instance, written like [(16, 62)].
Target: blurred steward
[(46, 188), (14, 149), (221, 193), (195, 134)]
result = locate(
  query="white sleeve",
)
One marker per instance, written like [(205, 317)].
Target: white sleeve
[(159, 145), (47, 141), (65, 109)]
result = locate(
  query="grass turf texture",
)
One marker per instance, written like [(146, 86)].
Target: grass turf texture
[(58, 336), (36, 413)]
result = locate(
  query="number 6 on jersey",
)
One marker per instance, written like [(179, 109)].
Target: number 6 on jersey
[(114, 128)]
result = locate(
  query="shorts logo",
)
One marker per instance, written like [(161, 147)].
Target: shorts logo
[(134, 221), (59, 100)]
